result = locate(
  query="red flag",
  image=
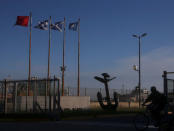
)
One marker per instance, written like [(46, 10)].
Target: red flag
[(22, 20)]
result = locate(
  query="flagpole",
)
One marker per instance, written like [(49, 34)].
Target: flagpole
[(78, 81), (63, 62), (48, 73), (29, 72)]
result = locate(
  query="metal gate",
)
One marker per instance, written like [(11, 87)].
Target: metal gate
[(169, 89)]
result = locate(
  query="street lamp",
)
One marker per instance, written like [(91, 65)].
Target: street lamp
[(135, 68), (139, 70)]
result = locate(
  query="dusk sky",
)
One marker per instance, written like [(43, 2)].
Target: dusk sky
[(106, 40)]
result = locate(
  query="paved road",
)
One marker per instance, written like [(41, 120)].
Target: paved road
[(100, 124), (69, 126)]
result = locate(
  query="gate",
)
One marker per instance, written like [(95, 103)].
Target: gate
[(168, 89)]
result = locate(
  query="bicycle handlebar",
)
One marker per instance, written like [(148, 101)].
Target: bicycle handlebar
[(144, 104)]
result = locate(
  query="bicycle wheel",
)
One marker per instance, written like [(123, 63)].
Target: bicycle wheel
[(141, 122), (164, 127), (167, 124)]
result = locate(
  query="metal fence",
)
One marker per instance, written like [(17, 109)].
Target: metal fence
[(168, 86), (92, 92), (42, 95), (170, 89), (29, 96)]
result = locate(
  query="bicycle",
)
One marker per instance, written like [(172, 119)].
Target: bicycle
[(143, 120)]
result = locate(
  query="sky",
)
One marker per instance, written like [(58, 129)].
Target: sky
[(106, 42)]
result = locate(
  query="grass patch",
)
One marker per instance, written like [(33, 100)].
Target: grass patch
[(68, 114), (93, 113), (28, 117)]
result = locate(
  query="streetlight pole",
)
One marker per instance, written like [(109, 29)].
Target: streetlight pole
[(139, 66), (139, 72)]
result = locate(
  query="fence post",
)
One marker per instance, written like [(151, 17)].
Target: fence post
[(49, 87), (165, 88), (36, 83), (58, 94), (2, 93), (68, 92), (27, 95), (54, 95), (3, 89), (46, 94), (118, 101), (165, 82), (85, 91), (5, 97), (173, 87), (14, 97), (34, 96), (129, 102)]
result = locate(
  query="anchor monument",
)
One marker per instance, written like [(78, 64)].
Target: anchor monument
[(109, 105)]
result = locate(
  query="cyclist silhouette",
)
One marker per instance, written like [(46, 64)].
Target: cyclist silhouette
[(158, 102)]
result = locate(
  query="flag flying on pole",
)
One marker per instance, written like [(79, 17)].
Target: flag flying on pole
[(43, 25), (57, 26), (73, 26), (22, 21)]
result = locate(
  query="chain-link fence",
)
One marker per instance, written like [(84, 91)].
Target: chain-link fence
[(170, 90), (126, 97), (29, 96), (42, 95), (92, 92)]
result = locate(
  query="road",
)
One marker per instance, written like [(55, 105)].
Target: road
[(100, 124), (69, 126)]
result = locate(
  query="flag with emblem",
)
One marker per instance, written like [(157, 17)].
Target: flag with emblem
[(57, 26), (73, 26), (43, 25)]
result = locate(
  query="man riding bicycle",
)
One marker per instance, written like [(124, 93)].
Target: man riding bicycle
[(158, 102)]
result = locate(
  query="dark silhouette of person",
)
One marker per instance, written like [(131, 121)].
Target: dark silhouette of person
[(158, 102)]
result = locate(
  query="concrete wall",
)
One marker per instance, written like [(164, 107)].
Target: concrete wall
[(66, 102), (75, 102)]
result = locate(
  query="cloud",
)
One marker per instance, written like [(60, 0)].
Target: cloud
[(153, 64)]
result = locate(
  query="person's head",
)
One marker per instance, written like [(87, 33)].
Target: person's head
[(153, 89)]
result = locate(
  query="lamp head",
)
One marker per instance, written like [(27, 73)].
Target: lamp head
[(135, 36), (144, 34), (135, 67)]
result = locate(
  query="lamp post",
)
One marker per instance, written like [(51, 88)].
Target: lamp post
[(135, 68), (139, 70)]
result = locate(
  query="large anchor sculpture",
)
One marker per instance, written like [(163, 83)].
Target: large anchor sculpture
[(109, 105)]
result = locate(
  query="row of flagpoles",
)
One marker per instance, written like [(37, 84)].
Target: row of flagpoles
[(48, 25)]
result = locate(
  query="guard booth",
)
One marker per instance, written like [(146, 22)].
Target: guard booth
[(169, 90)]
